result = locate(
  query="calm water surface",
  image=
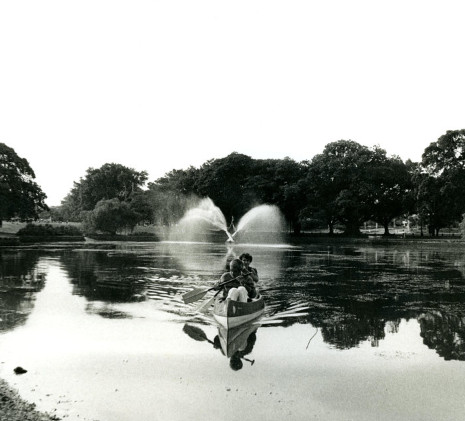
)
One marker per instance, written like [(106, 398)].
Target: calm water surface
[(354, 332)]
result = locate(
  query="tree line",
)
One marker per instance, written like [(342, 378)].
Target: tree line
[(345, 186)]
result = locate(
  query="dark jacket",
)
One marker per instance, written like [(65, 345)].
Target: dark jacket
[(243, 280)]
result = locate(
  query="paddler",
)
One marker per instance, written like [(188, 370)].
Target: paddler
[(242, 287)]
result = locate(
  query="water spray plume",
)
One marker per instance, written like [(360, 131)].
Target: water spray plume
[(262, 218), (260, 221), (205, 216)]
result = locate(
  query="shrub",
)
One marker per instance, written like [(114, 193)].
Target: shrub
[(49, 230), (110, 216)]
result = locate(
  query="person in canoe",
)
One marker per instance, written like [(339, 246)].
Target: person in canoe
[(247, 260), (243, 286)]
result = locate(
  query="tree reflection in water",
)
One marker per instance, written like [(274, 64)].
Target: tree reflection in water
[(351, 294), (444, 333), (20, 280), (359, 294)]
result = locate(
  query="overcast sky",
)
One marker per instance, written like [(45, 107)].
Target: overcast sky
[(162, 85)]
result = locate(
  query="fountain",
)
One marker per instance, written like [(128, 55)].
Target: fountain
[(264, 223), (199, 221)]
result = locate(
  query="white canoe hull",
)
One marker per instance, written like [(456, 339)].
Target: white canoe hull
[(230, 314)]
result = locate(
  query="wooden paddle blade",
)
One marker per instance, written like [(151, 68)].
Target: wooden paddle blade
[(204, 307), (194, 295)]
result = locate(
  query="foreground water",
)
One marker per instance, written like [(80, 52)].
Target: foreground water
[(350, 333)]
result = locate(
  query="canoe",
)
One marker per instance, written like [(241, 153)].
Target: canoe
[(229, 313)]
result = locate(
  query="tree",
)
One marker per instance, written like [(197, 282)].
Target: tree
[(20, 196), (107, 182), (387, 185), (447, 153), (436, 201), (335, 185), (171, 195), (110, 216), (350, 184), (278, 182), (181, 181), (141, 205), (444, 160), (224, 181)]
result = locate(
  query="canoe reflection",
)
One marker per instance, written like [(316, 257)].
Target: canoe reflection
[(233, 343), (236, 343)]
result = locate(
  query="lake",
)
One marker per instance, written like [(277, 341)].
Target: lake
[(350, 332)]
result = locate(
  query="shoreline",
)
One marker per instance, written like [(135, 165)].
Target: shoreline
[(15, 408), (9, 237), (305, 238)]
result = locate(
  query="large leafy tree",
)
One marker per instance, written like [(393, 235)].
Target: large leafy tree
[(441, 193), (278, 182), (436, 197), (436, 202), (446, 154), (20, 196), (141, 205), (181, 181), (235, 183), (107, 182), (224, 181), (171, 195), (349, 184), (335, 185), (110, 216), (387, 186)]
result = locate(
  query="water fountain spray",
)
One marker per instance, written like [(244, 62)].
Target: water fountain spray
[(209, 213), (262, 219)]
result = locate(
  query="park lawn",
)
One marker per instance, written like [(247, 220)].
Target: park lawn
[(11, 228)]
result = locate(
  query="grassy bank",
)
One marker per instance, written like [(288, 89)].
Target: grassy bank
[(9, 230), (13, 408)]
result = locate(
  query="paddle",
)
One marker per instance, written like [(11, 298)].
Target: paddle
[(203, 308), (196, 333), (198, 293)]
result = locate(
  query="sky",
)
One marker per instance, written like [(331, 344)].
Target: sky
[(163, 85)]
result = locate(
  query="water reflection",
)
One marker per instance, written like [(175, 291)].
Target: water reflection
[(20, 278), (356, 294), (235, 344), (353, 295), (444, 333)]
